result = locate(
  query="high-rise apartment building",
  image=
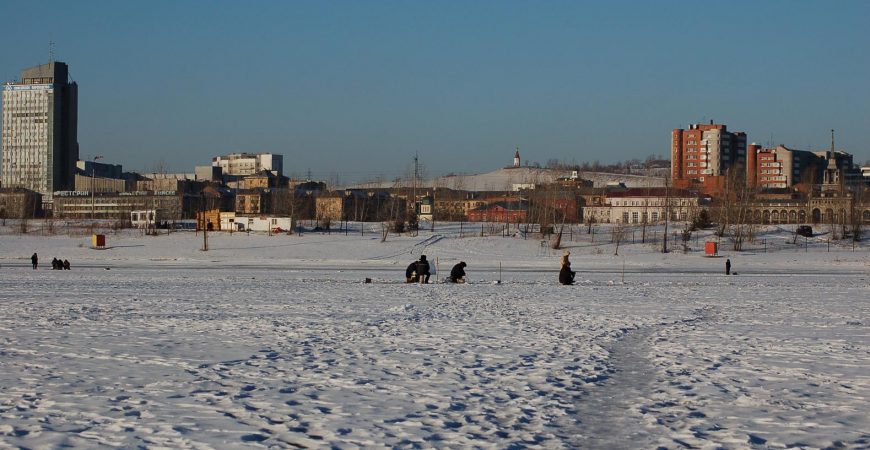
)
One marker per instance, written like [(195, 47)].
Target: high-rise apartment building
[(781, 167), (702, 155), (40, 121)]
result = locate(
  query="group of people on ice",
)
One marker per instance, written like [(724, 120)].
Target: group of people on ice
[(419, 272), (56, 264)]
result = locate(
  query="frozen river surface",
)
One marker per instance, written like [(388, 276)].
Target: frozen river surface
[(188, 349)]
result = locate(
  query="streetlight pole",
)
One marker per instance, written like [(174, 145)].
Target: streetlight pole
[(93, 184)]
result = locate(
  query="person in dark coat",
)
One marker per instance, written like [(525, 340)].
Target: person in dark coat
[(34, 260), (727, 267), (66, 264), (566, 275), (53, 263), (411, 273), (457, 274), (423, 270)]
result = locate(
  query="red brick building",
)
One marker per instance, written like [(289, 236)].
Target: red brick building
[(702, 155), (511, 212)]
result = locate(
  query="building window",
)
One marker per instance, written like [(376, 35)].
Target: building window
[(634, 217)]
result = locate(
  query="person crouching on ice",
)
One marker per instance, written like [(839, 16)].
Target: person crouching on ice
[(566, 275), (423, 270), (457, 274), (411, 273)]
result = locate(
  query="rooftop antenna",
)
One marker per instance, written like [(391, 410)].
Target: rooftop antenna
[(50, 52), (832, 142)]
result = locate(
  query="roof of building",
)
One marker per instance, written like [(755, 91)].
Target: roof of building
[(651, 192)]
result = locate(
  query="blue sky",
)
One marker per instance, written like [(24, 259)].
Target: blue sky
[(354, 89)]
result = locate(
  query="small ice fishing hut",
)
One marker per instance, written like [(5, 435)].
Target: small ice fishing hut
[(98, 241), (711, 248)]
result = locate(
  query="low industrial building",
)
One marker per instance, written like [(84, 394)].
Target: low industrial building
[(119, 205)]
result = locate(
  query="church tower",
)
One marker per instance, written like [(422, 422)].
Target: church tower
[(517, 158)]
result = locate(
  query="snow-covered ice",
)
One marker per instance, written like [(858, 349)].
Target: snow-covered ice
[(276, 341)]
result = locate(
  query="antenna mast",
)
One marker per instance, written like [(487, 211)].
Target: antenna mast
[(50, 52)]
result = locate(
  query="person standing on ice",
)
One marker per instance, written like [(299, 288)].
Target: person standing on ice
[(411, 273), (34, 260), (457, 274), (423, 270), (728, 267)]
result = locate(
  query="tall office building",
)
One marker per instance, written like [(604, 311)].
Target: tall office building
[(40, 121), (702, 155)]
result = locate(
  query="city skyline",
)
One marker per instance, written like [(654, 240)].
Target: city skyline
[(355, 90)]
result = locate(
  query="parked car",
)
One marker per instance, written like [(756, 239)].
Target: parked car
[(805, 230)]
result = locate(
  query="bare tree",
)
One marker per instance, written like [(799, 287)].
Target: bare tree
[(856, 214), (667, 213), (735, 210), (557, 243), (617, 234), (686, 236)]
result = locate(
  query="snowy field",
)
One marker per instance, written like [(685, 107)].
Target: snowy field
[(275, 341)]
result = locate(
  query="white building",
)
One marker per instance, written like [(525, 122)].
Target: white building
[(642, 205), (241, 164), (40, 146), (230, 221)]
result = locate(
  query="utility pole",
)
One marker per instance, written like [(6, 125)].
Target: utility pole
[(203, 210), (414, 194), (667, 214), (93, 184), (433, 208)]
